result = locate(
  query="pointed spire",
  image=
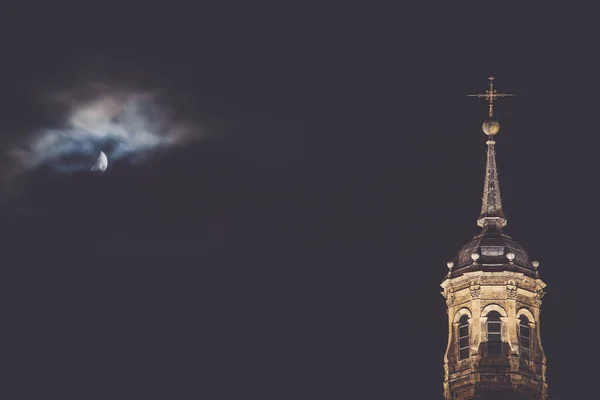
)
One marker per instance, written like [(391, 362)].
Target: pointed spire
[(491, 205)]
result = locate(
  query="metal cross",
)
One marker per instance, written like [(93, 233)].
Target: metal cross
[(490, 95)]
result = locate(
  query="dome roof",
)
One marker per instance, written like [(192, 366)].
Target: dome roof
[(492, 246)]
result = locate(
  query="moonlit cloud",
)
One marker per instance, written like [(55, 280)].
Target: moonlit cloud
[(121, 123)]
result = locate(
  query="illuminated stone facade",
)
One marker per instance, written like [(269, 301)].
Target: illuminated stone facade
[(494, 296), (516, 372)]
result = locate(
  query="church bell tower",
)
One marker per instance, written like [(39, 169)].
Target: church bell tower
[(493, 293)]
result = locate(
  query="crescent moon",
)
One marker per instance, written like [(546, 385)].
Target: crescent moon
[(101, 163)]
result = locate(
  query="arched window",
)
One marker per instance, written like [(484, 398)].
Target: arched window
[(494, 333), (463, 337), (524, 336)]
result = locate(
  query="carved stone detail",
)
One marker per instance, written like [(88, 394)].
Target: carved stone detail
[(474, 363), (511, 289), (514, 364), (537, 297), (475, 289)]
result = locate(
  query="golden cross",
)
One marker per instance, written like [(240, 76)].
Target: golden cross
[(490, 95)]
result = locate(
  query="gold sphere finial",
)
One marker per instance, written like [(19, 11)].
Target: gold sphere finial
[(490, 127)]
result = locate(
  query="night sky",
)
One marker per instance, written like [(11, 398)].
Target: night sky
[(296, 251)]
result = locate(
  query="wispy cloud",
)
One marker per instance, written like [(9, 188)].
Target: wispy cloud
[(121, 123)]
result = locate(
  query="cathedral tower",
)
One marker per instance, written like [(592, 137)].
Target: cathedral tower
[(493, 293)]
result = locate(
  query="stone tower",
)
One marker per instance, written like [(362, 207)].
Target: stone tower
[(493, 293)]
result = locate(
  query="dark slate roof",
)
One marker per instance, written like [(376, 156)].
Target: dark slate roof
[(492, 245)]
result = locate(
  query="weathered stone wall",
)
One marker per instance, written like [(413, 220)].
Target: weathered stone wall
[(511, 294)]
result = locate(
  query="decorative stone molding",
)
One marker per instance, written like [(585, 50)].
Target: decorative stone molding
[(537, 297), (475, 289), (493, 307), (511, 289)]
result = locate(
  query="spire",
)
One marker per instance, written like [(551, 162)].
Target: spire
[(491, 207)]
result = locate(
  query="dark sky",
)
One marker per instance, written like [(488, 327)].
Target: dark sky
[(300, 255)]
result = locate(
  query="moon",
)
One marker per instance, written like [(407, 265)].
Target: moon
[(101, 163)]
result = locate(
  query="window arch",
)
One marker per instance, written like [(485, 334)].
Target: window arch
[(494, 333), (524, 336), (463, 337), (460, 313), (527, 313), (493, 307)]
